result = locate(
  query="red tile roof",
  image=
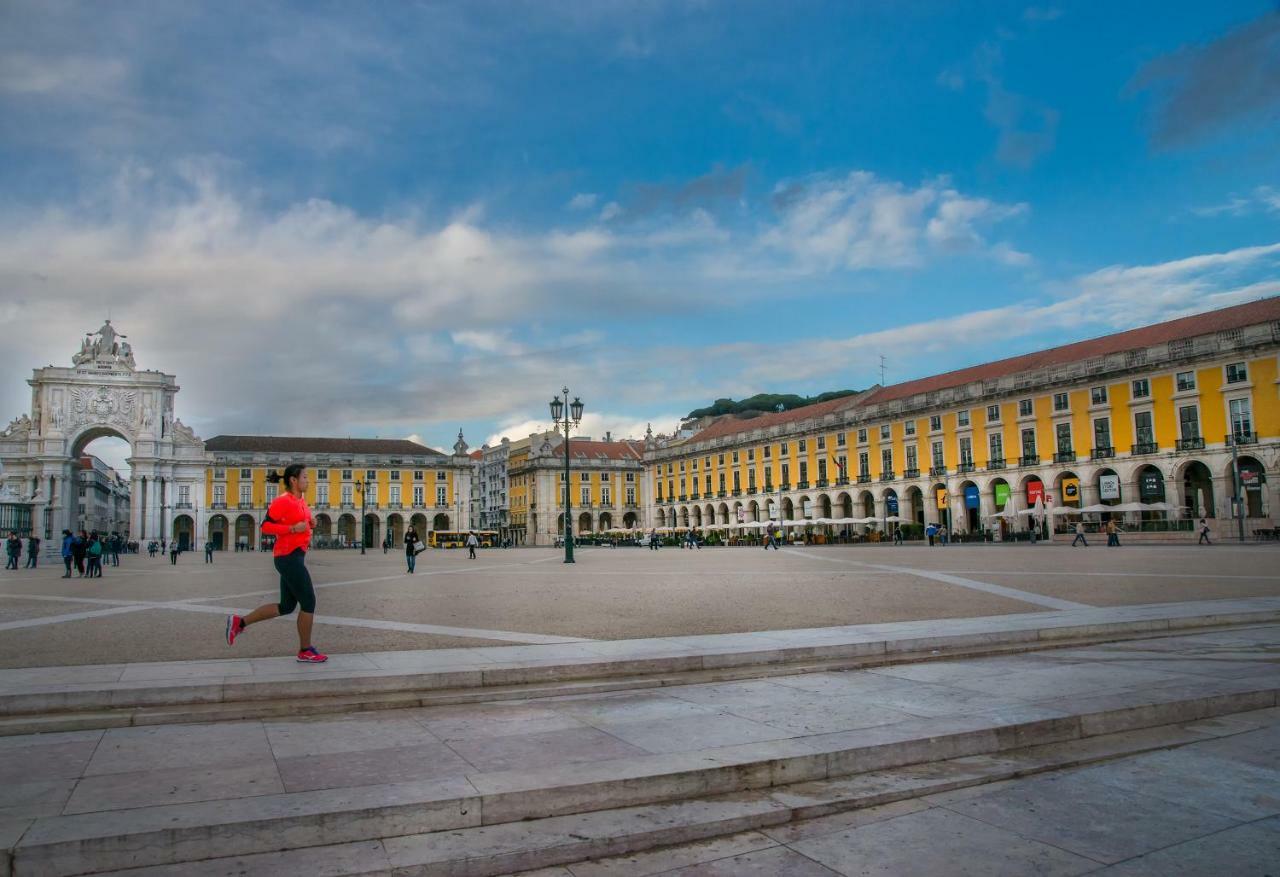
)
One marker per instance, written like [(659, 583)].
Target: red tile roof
[(731, 425), (621, 450), (275, 444), (1237, 317)]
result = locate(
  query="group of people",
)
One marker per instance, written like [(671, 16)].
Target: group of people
[(83, 552), (13, 550)]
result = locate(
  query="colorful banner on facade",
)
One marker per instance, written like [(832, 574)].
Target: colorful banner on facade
[(1071, 492), (1035, 491), (1001, 494), (971, 497), (1109, 487), (891, 503), (941, 494), (1150, 485)]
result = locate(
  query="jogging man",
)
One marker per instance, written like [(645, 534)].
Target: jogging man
[(291, 522)]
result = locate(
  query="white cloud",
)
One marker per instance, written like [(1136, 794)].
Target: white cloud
[(1265, 199), (861, 221), (617, 425), (583, 201), (610, 211)]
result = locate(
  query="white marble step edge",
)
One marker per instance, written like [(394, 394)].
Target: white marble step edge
[(1044, 633), (489, 851), (91, 843)]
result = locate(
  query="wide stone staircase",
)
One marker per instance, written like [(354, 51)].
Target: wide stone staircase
[(494, 761)]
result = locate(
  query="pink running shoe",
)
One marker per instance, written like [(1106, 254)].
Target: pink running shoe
[(309, 655), (235, 624)]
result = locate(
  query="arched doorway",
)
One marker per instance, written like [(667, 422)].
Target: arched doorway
[(697, 516), (606, 522), (941, 503), (788, 509), (662, 517), (753, 511), (347, 530), (395, 529), (844, 505), (560, 523), (684, 517), (584, 523), (915, 499), (1197, 491), (867, 505), (723, 514), (824, 506), (1110, 491), (971, 513), (419, 524), (440, 522), (184, 531), (244, 532), (629, 520), (218, 532), (372, 531), (1252, 479)]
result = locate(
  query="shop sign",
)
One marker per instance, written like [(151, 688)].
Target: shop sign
[(941, 494), (1250, 479), (891, 504), (1001, 494), (1071, 491), (1035, 491), (1109, 487), (971, 499), (1150, 485)]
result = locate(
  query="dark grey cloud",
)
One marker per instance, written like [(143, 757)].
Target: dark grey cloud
[(708, 191), (1200, 89)]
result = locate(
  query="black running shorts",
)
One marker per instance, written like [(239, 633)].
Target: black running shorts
[(295, 583)]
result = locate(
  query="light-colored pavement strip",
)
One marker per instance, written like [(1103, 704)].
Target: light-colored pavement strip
[(124, 797), (949, 578)]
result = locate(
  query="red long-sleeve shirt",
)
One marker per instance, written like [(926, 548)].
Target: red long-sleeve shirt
[(285, 511)]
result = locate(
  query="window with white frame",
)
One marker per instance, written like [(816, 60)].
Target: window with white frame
[(1102, 433), (962, 417), (822, 444), (346, 474), (442, 495), (913, 461), (864, 463), (395, 474), (993, 414), (1189, 422), (1141, 388), (585, 494), (246, 473), (246, 494), (1144, 431), (631, 495), (322, 474), (418, 475), (322, 494), (995, 443), (605, 495), (348, 491), (370, 475), (804, 446), (966, 450), (1237, 373), (1029, 443), (840, 439), (184, 494), (1062, 435), (886, 461), (939, 459), (1025, 408), (393, 495), (1061, 402), (1185, 381), (1098, 396), (862, 435), (885, 432), (935, 423), (1241, 417), (273, 490), (419, 495), (908, 427)]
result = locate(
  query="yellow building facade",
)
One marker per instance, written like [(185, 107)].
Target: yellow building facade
[(1152, 415), (388, 484)]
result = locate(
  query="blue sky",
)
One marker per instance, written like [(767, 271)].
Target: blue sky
[(406, 219)]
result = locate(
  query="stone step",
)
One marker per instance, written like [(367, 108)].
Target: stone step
[(486, 851), (179, 834), (30, 703)]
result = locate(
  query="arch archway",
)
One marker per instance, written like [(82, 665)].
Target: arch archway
[(584, 523), (753, 511), (662, 517), (915, 499), (419, 524), (697, 516), (824, 506), (722, 514), (244, 532), (684, 517), (1253, 477), (184, 531), (372, 531), (440, 522), (606, 522), (844, 505), (218, 532), (1197, 491), (788, 509), (1110, 490), (1067, 487), (866, 505), (630, 520), (347, 529), (395, 529), (970, 513)]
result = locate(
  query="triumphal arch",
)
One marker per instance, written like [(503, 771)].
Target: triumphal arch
[(103, 393)]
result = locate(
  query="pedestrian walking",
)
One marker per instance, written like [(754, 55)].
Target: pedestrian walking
[(1113, 534), (1204, 533), (33, 550), (94, 554), (116, 541), (208, 551), (930, 532), (79, 550), (472, 542), (68, 539), (173, 553), (653, 540), (1080, 536), (897, 535), (411, 549), (12, 550), (290, 522)]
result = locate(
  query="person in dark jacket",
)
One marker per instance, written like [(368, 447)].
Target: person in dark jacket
[(410, 550), (79, 549), (67, 541), (33, 550), (12, 550)]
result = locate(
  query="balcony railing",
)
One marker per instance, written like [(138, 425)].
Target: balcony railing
[(1240, 437), (937, 470), (218, 505), (1064, 457), (802, 485), (684, 497), (786, 485), (244, 505), (183, 505), (737, 491), (964, 468), (864, 477), (821, 482), (751, 491), (1190, 444), (1143, 448), (1103, 453), (910, 473), (995, 464), (842, 481), (887, 476), (694, 496), (1029, 460)]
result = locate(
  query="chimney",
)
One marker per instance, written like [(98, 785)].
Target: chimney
[(608, 436)]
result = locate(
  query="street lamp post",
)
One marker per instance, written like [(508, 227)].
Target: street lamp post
[(572, 414), (360, 485)]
